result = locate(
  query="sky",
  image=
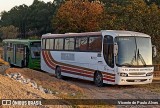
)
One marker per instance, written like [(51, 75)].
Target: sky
[(8, 4)]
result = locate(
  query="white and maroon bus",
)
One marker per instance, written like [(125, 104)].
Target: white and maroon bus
[(108, 56)]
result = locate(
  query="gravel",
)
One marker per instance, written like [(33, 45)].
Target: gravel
[(19, 78)]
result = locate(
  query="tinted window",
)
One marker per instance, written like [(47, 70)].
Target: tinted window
[(47, 43), (95, 43), (69, 44), (51, 44), (81, 43), (9, 46), (43, 43), (108, 48), (59, 44)]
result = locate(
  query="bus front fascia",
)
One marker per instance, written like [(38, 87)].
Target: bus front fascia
[(128, 75)]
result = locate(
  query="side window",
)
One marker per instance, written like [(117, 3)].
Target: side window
[(47, 43), (21, 48), (82, 43), (43, 43), (51, 44), (69, 44), (95, 43), (59, 44), (108, 48), (9, 46)]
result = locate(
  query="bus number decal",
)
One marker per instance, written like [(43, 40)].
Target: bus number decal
[(67, 56)]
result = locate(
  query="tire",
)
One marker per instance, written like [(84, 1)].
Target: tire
[(58, 73), (98, 79)]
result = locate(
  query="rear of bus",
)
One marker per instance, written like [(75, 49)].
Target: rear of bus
[(34, 52)]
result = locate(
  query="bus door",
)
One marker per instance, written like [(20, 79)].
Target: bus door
[(26, 56), (108, 52)]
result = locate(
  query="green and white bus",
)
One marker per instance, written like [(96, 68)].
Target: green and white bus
[(22, 53)]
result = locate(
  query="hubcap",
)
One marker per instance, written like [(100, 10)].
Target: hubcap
[(98, 78)]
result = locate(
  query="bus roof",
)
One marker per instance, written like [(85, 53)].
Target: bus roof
[(114, 33), (20, 40), (49, 35), (124, 33)]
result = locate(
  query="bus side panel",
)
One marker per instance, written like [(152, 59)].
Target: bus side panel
[(76, 64), (49, 65), (77, 69)]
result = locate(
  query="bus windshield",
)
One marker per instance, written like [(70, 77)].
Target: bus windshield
[(35, 49), (134, 51)]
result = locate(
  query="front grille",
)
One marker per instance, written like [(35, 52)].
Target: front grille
[(136, 80), (137, 73)]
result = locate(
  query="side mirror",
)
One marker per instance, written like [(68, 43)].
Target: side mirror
[(115, 49), (154, 51)]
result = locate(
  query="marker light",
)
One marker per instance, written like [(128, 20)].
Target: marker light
[(149, 74), (123, 74)]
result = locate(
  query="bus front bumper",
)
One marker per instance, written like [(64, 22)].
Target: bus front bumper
[(134, 80)]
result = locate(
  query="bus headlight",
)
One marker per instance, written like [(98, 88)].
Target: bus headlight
[(123, 74), (149, 74)]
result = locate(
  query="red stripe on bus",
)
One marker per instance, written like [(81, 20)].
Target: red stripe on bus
[(73, 68), (82, 74), (46, 60), (49, 61), (111, 80), (108, 74), (110, 77), (70, 70)]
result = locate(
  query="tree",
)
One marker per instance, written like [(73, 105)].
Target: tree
[(31, 20), (9, 32), (149, 2), (78, 16), (125, 14)]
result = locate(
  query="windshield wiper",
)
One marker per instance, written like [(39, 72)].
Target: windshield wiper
[(139, 56), (134, 58)]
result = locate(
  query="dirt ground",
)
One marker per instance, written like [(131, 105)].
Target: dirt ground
[(71, 88)]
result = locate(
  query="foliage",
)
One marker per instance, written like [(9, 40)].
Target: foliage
[(78, 16), (134, 15), (9, 32), (62, 16), (152, 2), (31, 20)]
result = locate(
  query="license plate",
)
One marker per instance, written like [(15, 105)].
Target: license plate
[(137, 80)]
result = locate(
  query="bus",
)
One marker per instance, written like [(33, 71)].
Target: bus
[(22, 53), (108, 56)]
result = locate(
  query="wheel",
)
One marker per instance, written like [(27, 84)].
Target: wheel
[(98, 79), (58, 73)]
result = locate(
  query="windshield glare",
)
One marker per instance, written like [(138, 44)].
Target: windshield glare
[(134, 51)]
